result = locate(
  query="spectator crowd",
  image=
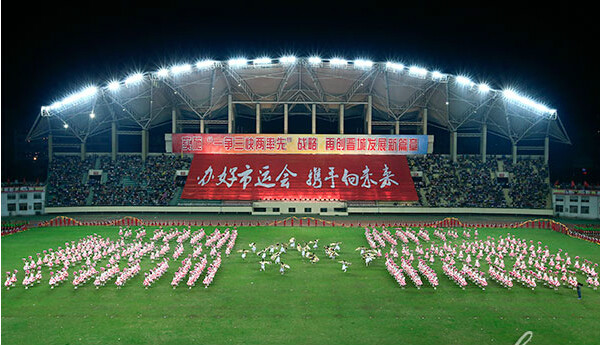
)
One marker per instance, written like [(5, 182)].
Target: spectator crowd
[(128, 181)]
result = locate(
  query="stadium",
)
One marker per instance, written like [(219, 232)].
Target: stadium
[(297, 199)]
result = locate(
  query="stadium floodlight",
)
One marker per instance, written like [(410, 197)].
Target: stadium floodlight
[(76, 97), (66, 125), (338, 62), (417, 71), (483, 88), (162, 73), (262, 61), (180, 69), (237, 62), (526, 102), (314, 60), (133, 79), (287, 60), (92, 115), (114, 85), (55, 105), (437, 75), (204, 64), (394, 65), (362, 63), (464, 81)]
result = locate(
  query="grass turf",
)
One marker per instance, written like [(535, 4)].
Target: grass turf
[(310, 304)]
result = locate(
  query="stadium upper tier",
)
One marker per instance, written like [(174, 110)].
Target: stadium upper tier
[(213, 95), (468, 182)]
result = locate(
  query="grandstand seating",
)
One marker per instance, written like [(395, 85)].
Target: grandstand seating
[(128, 181), (65, 184), (471, 183)]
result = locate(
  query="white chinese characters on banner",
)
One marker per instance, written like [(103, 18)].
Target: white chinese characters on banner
[(229, 176)]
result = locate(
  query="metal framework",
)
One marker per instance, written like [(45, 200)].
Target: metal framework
[(214, 93)]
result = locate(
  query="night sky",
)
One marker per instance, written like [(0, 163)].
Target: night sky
[(545, 52)]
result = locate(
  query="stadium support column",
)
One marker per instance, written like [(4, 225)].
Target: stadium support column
[(50, 148), (342, 119), (397, 127), (83, 150), (483, 143), (514, 152), (229, 114), (285, 118), (453, 145), (314, 119), (114, 141), (546, 149), (369, 114), (425, 111), (174, 120), (257, 118), (202, 126), (144, 144)]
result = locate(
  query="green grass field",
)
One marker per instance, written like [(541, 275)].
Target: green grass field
[(310, 304)]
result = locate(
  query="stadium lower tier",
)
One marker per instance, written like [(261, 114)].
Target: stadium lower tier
[(439, 182), (180, 284)]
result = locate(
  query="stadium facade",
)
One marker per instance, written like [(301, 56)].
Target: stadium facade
[(264, 95)]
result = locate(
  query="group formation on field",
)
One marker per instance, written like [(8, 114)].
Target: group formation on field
[(409, 255), (510, 260), (104, 261), (272, 254)]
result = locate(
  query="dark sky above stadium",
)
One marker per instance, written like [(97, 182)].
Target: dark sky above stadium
[(545, 52)]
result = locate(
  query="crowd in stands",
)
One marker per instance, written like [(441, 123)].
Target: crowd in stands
[(576, 186), (469, 182), (129, 181), (125, 182), (529, 186), (66, 186)]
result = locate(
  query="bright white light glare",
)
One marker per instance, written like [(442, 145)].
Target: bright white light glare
[(483, 88), (114, 85), (180, 69), (417, 71), (464, 81), (163, 73), (92, 115), (55, 105), (314, 60), (205, 64), (66, 126), (85, 93), (527, 102), (437, 75), (237, 62), (338, 62), (394, 65), (361, 63), (134, 79), (287, 59), (262, 61)]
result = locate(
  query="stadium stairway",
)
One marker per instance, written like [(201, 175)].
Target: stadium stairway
[(90, 198), (500, 165), (128, 182), (506, 192), (423, 197), (176, 197)]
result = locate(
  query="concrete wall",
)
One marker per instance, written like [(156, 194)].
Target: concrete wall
[(249, 210)]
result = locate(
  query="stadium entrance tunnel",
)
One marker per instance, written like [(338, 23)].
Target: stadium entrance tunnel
[(312, 208)]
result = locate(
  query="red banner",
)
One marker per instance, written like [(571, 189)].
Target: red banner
[(299, 177), (346, 144)]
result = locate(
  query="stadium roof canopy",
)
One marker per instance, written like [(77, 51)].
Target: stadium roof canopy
[(201, 90)]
